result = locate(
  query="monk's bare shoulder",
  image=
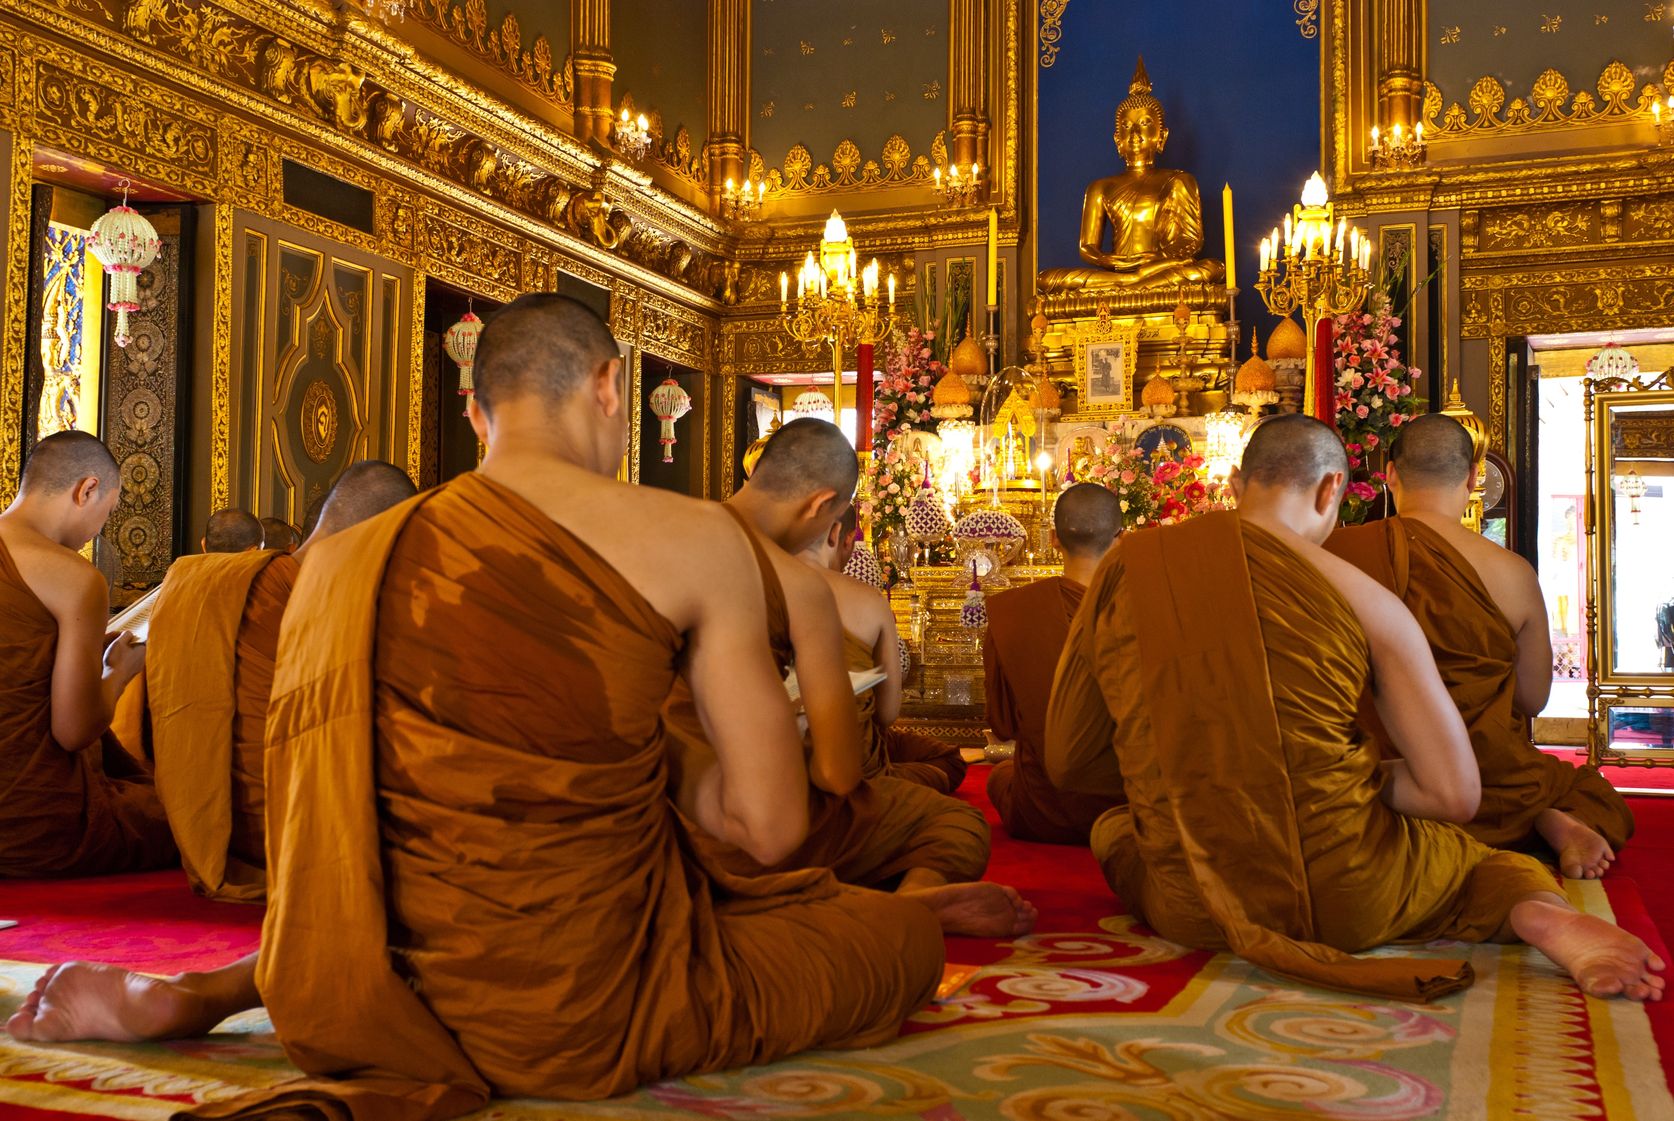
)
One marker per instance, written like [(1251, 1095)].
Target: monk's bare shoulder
[(62, 579), (1510, 579), (803, 583), (865, 613)]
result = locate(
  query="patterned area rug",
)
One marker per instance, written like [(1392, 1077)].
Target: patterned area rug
[(1089, 1019)]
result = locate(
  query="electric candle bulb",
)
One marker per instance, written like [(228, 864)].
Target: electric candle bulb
[(975, 170), (1418, 130), (1374, 138), (784, 289), (1288, 239), (892, 291), (1395, 132), (1266, 249), (643, 123)]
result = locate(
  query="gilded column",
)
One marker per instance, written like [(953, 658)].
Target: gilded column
[(729, 93), (968, 82), (594, 69), (1399, 31)]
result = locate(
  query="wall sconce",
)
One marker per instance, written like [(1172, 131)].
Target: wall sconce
[(1401, 150), (959, 187), (742, 203)]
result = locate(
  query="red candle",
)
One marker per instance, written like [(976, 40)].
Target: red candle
[(863, 397), (1324, 404)]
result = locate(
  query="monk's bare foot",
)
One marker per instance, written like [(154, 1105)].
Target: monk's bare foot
[(1582, 853), (979, 910), (1604, 959), (84, 1001)]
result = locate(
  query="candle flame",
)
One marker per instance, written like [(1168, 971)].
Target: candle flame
[(1314, 194)]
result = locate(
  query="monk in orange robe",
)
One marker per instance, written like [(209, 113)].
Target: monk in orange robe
[(1483, 613), (231, 531), (1223, 659), (72, 802), (882, 832), (214, 637), (870, 641), (479, 885), (1027, 627)]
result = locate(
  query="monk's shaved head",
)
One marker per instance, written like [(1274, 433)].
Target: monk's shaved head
[(543, 345), (278, 534), (1293, 452), (232, 531), (62, 460), (364, 490), (1433, 450), (805, 456), (1087, 519)]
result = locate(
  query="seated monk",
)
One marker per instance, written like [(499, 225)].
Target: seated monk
[(280, 534), (870, 640), (231, 531), (882, 832), (479, 885), (1223, 659), (1026, 631), (1482, 610), (214, 636), (72, 801)]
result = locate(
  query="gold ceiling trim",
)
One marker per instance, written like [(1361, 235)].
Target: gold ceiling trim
[(1491, 114), (1051, 30), (848, 170), (468, 25)]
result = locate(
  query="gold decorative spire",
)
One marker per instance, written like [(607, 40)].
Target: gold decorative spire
[(1141, 80), (1139, 95)]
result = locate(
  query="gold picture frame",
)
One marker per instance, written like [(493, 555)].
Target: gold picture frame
[(1106, 360)]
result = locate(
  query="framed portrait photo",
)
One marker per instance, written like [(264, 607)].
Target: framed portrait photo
[(1106, 357)]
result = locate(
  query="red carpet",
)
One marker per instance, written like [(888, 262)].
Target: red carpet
[(1622, 778)]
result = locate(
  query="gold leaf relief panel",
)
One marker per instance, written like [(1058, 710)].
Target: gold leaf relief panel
[(1649, 219), (93, 109), (1543, 228)]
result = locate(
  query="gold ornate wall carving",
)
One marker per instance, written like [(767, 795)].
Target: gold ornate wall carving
[(1548, 106), (848, 170), (1051, 31), (537, 67)]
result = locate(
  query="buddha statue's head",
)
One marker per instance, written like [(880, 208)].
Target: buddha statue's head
[(1140, 134)]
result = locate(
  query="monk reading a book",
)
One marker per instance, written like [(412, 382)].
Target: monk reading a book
[(213, 639), (882, 832), (870, 640), (1280, 833), (72, 802), (1482, 610), (1027, 627), (469, 773)]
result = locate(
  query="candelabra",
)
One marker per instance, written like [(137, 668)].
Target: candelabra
[(743, 203), (959, 189), (1317, 269), (836, 303), (1662, 114), (1399, 151), (632, 136)]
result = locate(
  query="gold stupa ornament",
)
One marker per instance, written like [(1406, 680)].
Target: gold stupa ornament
[(1287, 342), (1158, 396), (1255, 385)]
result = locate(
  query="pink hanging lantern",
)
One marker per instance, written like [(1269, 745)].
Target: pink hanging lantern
[(125, 244), (669, 402), (461, 344)]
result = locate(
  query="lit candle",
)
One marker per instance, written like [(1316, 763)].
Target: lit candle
[(1418, 129), (822, 284), (1342, 230), (938, 178), (1374, 138), (891, 291), (993, 256), (1266, 251), (1290, 241), (1277, 246), (1395, 135), (728, 189), (976, 170), (1231, 242), (784, 290)]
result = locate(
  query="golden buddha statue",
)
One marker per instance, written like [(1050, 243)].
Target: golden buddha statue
[(1155, 214)]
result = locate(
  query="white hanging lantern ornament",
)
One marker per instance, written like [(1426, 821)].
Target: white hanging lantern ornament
[(125, 244), (669, 403), (814, 403), (461, 344)]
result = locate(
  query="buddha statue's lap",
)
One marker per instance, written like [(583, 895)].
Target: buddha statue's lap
[(1154, 215)]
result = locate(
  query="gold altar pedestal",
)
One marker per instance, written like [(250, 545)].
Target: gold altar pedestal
[(1078, 320), (944, 693)]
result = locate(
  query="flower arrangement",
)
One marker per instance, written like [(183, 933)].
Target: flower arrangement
[(902, 398), (1375, 397), (1168, 492), (888, 487)]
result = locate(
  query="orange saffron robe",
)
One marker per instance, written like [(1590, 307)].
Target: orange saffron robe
[(214, 637), (1027, 628), (899, 752), (478, 885), (882, 829), (62, 813), (1229, 672), (1476, 652)]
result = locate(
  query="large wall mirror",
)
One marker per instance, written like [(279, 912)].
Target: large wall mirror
[(1630, 527)]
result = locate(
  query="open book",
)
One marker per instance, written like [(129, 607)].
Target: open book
[(859, 680), (136, 617)]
